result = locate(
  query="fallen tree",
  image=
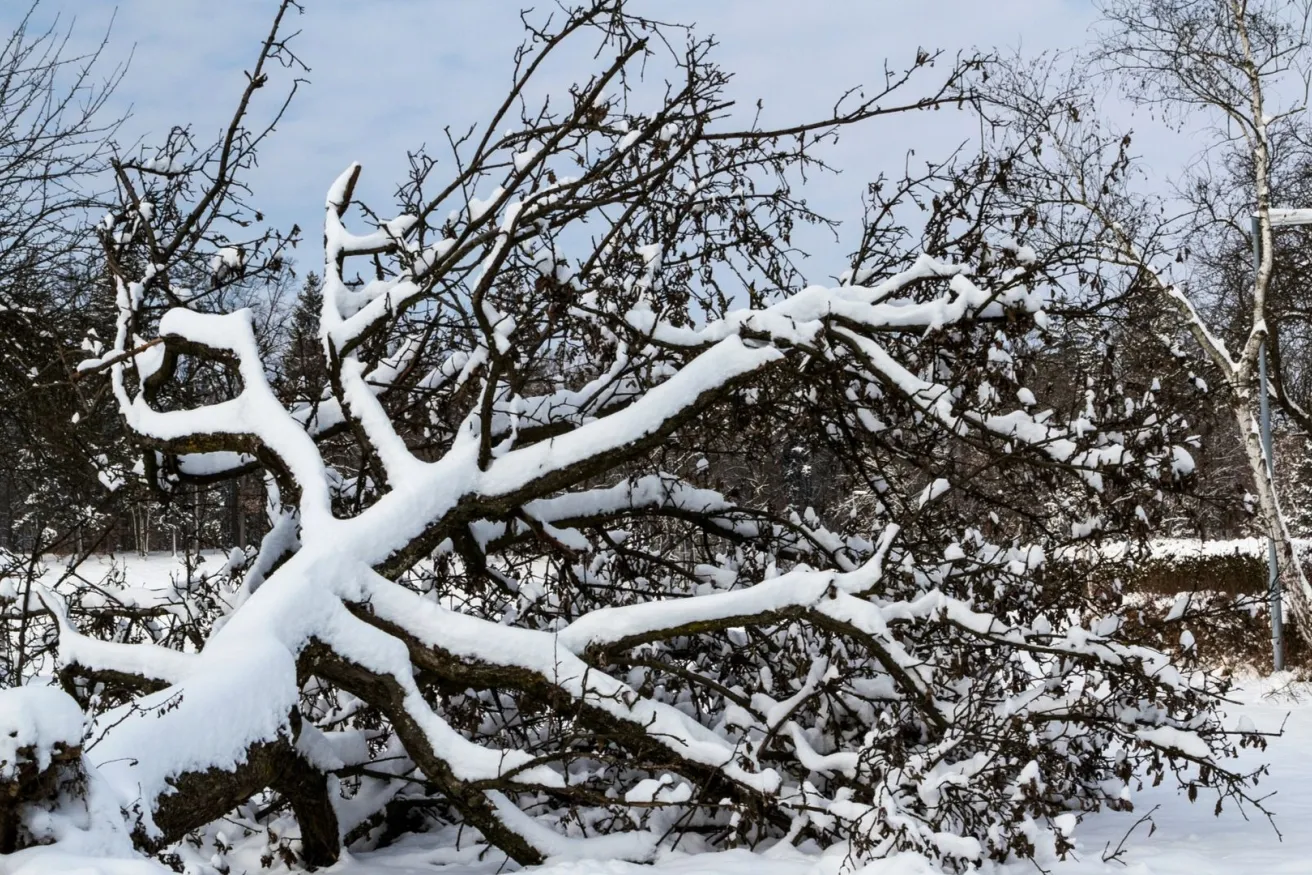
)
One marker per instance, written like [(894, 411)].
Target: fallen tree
[(527, 571)]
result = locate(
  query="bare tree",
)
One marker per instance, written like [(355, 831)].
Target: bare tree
[(54, 146), (501, 588)]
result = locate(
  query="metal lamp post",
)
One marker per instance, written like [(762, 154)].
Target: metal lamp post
[(1279, 218)]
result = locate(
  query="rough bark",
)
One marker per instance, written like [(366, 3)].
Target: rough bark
[(31, 784), (202, 797)]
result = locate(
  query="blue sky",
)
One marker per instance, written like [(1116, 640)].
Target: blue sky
[(388, 75)]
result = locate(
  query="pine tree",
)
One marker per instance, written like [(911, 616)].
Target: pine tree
[(304, 373)]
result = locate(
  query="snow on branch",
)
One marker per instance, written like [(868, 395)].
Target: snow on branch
[(600, 525)]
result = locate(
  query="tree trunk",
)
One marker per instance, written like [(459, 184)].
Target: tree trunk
[(1293, 581)]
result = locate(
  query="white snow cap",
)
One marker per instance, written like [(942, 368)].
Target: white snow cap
[(33, 721)]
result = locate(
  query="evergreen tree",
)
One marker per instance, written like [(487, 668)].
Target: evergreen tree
[(303, 367)]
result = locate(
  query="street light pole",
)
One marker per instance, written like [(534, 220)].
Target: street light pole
[(1272, 565)]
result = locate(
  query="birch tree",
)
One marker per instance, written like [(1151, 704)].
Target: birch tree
[(1224, 64)]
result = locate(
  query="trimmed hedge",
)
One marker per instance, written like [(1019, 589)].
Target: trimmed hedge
[(1229, 619)]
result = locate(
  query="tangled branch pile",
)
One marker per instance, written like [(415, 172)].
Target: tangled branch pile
[(542, 564)]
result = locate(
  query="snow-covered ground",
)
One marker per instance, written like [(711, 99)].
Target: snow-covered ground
[(1189, 840)]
